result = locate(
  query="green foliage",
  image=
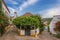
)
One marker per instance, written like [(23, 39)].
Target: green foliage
[(48, 28), (3, 19), (58, 35), (48, 25), (0, 4), (2, 28), (28, 20), (3, 22), (49, 21)]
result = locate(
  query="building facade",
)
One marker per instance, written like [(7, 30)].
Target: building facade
[(55, 23), (5, 9)]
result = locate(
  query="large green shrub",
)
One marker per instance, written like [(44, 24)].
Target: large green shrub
[(33, 20)]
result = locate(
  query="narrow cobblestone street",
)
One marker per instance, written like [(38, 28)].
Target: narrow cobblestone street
[(25, 19), (13, 36)]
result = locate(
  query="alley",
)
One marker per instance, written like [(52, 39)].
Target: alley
[(13, 36)]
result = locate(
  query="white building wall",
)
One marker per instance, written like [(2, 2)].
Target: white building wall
[(37, 31), (5, 10), (52, 24), (32, 32), (22, 32)]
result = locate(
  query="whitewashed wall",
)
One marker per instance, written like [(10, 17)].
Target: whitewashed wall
[(5, 10), (52, 24), (32, 32), (22, 32), (37, 31)]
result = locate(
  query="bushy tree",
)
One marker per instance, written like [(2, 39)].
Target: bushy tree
[(28, 20)]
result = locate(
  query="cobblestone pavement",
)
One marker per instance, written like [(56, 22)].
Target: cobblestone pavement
[(13, 36)]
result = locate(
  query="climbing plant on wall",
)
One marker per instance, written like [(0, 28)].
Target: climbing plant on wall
[(33, 20)]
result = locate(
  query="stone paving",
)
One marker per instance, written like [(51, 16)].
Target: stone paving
[(13, 36)]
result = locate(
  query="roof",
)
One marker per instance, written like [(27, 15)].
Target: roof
[(27, 14), (5, 5)]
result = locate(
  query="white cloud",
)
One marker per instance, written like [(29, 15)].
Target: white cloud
[(12, 10), (58, 0), (13, 2), (27, 3), (50, 12)]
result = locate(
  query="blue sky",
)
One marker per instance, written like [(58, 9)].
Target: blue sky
[(45, 8)]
